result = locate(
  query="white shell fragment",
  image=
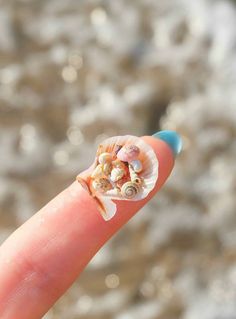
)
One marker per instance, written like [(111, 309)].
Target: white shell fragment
[(130, 176), (137, 166), (134, 177)]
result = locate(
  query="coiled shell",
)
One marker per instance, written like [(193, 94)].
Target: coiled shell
[(134, 176), (129, 190), (116, 174)]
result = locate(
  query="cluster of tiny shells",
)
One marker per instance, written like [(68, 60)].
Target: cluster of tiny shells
[(118, 171), (125, 168)]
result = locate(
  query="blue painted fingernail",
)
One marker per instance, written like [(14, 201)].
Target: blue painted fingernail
[(172, 139)]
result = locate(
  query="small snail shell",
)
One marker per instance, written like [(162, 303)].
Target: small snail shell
[(101, 185), (128, 153), (134, 176), (98, 171), (104, 157), (107, 167), (129, 190), (116, 174), (137, 166)]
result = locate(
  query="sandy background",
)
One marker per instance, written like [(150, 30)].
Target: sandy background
[(74, 72)]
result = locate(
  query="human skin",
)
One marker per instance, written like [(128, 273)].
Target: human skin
[(43, 257)]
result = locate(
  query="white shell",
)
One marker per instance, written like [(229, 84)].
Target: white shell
[(104, 158), (148, 174), (134, 176), (129, 190), (137, 166), (116, 174)]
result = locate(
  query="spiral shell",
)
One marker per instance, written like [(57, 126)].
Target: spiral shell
[(104, 158), (134, 176), (129, 190), (101, 185), (116, 174)]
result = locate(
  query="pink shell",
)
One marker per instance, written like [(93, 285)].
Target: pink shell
[(128, 153)]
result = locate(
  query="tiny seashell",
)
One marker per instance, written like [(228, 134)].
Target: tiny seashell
[(111, 191), (107, 168), (129, 190), (137, 166), (104, 158), (97, 172), (101, 185), (128, 153), (149, 174), (134, 176), (116, 174)]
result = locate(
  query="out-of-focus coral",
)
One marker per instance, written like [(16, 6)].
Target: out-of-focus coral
[(75, 72)]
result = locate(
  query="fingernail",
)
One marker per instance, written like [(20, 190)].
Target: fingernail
[(172, 139)]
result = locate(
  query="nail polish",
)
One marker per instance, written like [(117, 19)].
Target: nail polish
[(172, 139)]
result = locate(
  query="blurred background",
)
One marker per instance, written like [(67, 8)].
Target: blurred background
[(75, 72)]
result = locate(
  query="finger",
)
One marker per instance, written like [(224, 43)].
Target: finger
[(40, 261)]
